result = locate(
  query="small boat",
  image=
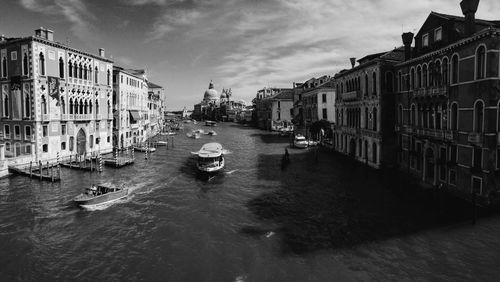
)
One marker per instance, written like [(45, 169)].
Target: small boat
[(312, 143), (200, 131), (100, 194), (210, 123), (212, 133), (210, 158), (144, 149), (168, 133), (161, 143), (194, 135), (300, 142)]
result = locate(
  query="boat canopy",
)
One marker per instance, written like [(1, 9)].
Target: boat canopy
[(210, 150)]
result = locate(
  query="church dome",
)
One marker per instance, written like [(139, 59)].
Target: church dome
[(211, 94)]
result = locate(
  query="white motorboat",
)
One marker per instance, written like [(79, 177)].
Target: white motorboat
[(194, 135), (96, 195), (145, 149), (210, 123), (168, 133), (161, 143), (300, 142), (210, 158), (212, 133)]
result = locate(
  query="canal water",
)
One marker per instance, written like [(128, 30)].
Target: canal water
[(318, 218)]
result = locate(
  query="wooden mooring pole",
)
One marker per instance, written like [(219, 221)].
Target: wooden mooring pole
[(31, 169), (40, 168)]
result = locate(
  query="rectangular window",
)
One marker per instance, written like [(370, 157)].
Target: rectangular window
[(27, 132), (71, 141), (63, 129), (478, 158), (7, 131), (45, 131), (323, 98), (91, 141), (27, 149), (45, 148), (325, 114), (13, 55), (108, 139), (477, 185), (438, 34), (121, 78), (453, 153), (453, 177), (17, 131), (63, 145), (425, 40)]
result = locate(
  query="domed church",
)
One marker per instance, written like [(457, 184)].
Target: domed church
[(215, 106), (211, 95)]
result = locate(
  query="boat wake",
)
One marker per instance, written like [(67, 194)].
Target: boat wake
[(100, 207), (232, 171)]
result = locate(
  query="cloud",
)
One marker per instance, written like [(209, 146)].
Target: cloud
[(73, 11)]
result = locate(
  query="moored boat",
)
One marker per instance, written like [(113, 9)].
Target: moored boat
[(210, 158), (161, 143), (168, 133), (144, 149), (100, 195), (300, 142), (194, 135), (212, 133), (210, 123)]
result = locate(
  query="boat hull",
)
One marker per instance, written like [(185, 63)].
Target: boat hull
[(300, 145), (86, 200)]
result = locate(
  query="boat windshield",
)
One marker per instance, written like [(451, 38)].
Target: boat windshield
[(210, 161)]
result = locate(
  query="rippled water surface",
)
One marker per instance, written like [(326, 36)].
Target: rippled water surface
[(320, 218)]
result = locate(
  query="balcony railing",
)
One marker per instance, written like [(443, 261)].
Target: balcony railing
[(450, 135), (475, 138), (431, 91), (348, 96), (66, 116)]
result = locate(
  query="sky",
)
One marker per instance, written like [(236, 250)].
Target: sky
[(244, 45)]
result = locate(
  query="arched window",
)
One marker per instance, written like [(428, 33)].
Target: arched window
[(80, 71), (366, 117), (75, 70), (412, 115), (76, 107), (445, 72), (96, 74), (412, 78), (25, 64), (41, 64), (27, 104), (85, 72), (44, 105), (63, 106), (374, 119), (97, 107), (424, 76), (90, 107), (80, 109), (478, 116), (400, 114), (341, 87), (70, 69), (438, 81), (6, 106), (454, 116), (419, 77), (70, 106), (454, 69), (85, 107), (374, 153), (366, 84), (4, 67), (374, 83), (481, 62), (109, 108), (109, 78), (61, 68)]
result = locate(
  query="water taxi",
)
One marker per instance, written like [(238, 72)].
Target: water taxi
[(194, 135), (145, 149), (210, 123), (100, 195), (210, 158), (300, 142)]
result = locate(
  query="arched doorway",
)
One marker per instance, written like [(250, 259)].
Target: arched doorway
[(122, 145), (374, 153), (429, 166), (352, 148), (81, 142)]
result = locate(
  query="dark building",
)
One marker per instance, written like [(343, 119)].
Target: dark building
[(447, 104)]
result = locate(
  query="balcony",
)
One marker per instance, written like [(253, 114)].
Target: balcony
[(397, 128), (475, 138), (349, 96), (432, 91), (450, 135), (66, 117), (81, 117), (45, 117)]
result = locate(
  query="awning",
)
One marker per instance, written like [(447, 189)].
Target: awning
[(135, 115)]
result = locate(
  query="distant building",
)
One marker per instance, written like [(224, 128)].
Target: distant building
[(448, 106), (365, 109), (131, 119), (274, 110), (156, 106), (55, 99)]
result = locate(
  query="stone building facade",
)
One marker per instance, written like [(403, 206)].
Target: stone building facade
[(448, 104), (55, 100), (365, 109)]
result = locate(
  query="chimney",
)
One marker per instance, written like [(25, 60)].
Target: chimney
[(353, 62), (40, 32), (101, 52), (50, 35), (469, 8), (3, 38), (407, 40)]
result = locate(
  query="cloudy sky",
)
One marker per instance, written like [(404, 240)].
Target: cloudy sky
[(241, 44)]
